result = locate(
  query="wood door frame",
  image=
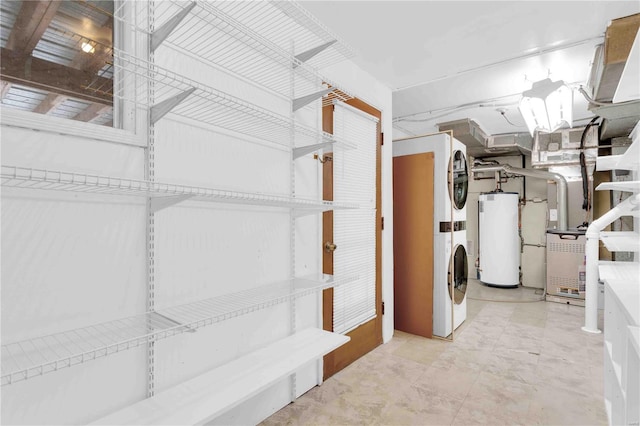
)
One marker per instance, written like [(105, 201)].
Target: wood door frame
[(367, 336)]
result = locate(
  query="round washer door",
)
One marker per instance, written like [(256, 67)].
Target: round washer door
[(459, 274), (460, 179)]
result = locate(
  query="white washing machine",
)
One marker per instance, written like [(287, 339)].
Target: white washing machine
[(449, 269), (440, 145)]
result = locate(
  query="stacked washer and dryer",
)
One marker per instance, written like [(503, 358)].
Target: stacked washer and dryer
[(450, 260)]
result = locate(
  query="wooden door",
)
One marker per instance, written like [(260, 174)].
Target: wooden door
[(413, 243), (367, 336)]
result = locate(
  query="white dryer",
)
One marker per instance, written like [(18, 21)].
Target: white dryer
[(440, 145), (450, 269)]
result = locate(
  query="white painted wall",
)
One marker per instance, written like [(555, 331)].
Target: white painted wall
[(69, 261)]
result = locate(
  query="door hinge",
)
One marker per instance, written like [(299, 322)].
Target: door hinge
[(381, 139), (382, 308), (382, 223)]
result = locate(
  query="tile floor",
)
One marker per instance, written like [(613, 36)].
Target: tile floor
[(514, 362)]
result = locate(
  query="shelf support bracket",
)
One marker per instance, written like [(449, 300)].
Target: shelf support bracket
[(159, 203), (306, 55), (159, 110), (305, 100), (304, 150), (167, 28)]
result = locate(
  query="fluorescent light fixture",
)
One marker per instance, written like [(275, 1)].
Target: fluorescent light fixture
[(88, 47), (547, 105)]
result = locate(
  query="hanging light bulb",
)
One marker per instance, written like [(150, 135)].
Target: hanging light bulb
[(88, 47), (547, 105)]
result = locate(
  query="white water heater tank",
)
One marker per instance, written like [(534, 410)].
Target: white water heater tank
[(498, 239)]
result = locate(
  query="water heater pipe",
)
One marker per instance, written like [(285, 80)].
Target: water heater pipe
[(592, 255), (561, 184)]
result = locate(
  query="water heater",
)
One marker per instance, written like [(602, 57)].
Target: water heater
[(499, 243)]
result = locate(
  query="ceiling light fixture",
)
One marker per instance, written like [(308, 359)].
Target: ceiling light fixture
[(88, 47), (547, 105)]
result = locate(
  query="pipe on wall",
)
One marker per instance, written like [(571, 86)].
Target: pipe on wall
[(560, 181)]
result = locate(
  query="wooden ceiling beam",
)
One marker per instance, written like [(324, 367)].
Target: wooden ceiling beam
[(92, 111), (55, 78), (51, 101), (32, 21), (5, 86)]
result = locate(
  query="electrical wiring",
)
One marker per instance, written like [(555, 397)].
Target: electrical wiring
[(586, 195), (503, 113)]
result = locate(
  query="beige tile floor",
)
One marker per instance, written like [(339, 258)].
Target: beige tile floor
[(513, 362)]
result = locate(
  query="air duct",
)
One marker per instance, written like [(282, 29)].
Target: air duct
[(541, 174)]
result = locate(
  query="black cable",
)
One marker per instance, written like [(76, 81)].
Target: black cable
[(586, 202), (509, 121)]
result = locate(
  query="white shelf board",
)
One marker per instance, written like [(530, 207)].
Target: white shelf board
[(21, 177), (34, 357), (610, 270), (617, 369), (607, 162), (631, 158), (621, 240), (627, 186), (217, 391), (627, 293)]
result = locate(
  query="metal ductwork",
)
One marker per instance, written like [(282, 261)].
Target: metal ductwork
[(480, 145), (561, 182)]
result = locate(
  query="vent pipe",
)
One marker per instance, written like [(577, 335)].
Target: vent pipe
[(558, 178)]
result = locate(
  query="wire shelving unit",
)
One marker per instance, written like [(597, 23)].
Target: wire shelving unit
[(207, 105), (34, 357), (253, 41)]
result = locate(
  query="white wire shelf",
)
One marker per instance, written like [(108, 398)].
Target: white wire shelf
[(233, 36), (28, 178), (621, 240), (211, 106), (626, 186), (34, 357), (284, 21)]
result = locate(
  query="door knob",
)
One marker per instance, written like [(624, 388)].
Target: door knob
[(330, 247)]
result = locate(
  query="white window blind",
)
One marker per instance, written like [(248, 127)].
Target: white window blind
[(354, 180)]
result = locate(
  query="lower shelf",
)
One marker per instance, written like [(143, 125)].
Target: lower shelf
[(35, 357), (211, 394)]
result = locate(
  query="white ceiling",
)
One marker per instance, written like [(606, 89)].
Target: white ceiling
[(447, 60)]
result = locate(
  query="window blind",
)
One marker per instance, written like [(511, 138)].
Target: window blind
[(354, 180)]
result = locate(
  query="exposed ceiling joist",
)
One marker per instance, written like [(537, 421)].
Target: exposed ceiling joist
[(55, 78), (51, 101), (5, 86), (92, 111), (32, 21), (89, 30)]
